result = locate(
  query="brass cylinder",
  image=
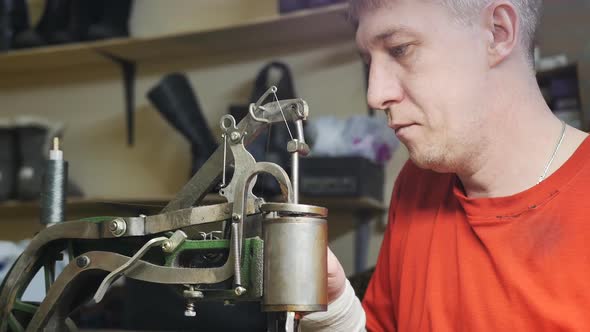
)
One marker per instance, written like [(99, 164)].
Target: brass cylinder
[(295, 264)]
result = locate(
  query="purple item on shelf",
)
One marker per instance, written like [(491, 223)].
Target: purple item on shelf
[(286, 6), (563, 87)]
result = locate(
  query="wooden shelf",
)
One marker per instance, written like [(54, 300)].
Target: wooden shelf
[(317, 25)]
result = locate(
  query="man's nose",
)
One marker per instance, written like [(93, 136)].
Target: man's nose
[(385, 88)]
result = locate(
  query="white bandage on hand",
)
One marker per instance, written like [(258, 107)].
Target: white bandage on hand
[(344, 314)]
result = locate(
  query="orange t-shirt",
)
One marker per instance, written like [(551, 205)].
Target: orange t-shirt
[(516, 263)]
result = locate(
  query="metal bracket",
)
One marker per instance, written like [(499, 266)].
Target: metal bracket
[(128, 69)]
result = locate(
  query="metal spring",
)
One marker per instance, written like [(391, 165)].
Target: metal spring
[(237, 256)]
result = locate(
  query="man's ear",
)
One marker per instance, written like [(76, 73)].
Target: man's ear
[(502, 26)]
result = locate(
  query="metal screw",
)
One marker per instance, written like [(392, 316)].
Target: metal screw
[(228, 303), (113, 226), (82, 261), (236, 217), (190, 309), (167, 246), (117, 227), (235, 136), (191, 294), (240, 290)]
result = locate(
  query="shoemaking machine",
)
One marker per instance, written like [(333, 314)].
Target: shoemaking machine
[(273, 253)]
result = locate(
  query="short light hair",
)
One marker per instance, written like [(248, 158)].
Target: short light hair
[(529, 12)]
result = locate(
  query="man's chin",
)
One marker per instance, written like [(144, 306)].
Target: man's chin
[(421, 163), (428, 162)]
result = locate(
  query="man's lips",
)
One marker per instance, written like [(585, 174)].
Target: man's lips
[(397, 126)]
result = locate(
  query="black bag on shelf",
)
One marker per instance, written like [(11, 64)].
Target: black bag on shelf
[(5, 25), (68, 21), (32, 141), (14, 19), (54, 17), (8, 162), (177, 102), (270, 145), (34, 138), (113, 20)]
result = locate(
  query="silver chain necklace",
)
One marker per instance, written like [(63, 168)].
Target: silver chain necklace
[(542, 177)]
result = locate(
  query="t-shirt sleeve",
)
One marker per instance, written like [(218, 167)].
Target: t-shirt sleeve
[(378, 300)]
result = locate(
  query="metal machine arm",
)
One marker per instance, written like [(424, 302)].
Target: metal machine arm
[(258, 267)]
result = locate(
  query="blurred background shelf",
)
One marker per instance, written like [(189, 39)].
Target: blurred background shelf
[(326, 23)]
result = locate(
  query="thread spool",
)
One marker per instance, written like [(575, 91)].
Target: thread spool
[(53, 191)]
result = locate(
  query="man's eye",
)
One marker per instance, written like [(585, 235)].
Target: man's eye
[(399, 51)]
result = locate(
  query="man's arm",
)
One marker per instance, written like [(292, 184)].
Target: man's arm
[(345, 313)]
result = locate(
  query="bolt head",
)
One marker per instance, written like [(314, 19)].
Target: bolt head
[(82, 261), (190, 313), (166, 246), (236, 217), (240, 290), (113, 226), (235, 136), (118, 227)]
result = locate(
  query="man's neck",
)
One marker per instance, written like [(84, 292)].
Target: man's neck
[(521, 144)]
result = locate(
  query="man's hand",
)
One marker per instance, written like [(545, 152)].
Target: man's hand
[(345, 312), (336, 277)]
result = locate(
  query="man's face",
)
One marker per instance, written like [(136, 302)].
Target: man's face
[(428, 72)]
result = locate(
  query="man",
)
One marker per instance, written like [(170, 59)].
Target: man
[(488, 226)]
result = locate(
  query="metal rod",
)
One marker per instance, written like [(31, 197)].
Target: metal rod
[(223, 184), (49, 269), (299, 126), (295, 176), (295, 162), (290, 322)]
